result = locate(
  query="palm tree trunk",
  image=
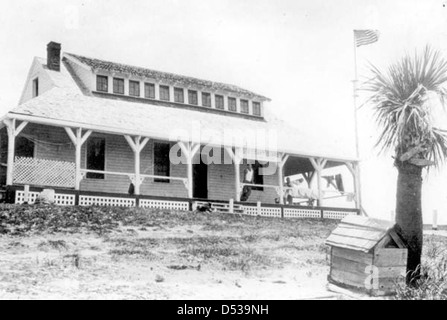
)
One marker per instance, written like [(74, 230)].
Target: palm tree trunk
[(409, 215)]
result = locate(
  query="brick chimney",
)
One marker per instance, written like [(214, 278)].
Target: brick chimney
[(54, 56)]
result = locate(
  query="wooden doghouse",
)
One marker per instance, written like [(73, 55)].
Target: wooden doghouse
[(367, 254)]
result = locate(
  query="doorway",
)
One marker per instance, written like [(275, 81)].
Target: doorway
[(200, 180)]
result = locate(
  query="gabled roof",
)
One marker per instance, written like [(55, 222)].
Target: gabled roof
[(360, 233), (67, 105), (172, 78)]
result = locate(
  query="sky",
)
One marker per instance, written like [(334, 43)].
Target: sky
[(298, 53)]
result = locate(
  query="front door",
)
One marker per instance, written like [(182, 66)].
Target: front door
[(200, 180)]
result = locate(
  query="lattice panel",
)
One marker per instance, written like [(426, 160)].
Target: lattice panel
[(160, 204), (337, 215), (44, 172), (20, 197), (271, 212), (106, 201), (64, 199), (59, 199), (249, 210), (265, 211), (301, 213)]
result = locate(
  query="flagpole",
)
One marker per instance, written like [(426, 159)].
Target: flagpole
[(357, 149)]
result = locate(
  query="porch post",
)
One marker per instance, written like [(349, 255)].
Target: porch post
[(137, 146), (354, 169), (237, 160), (189, 150), (78, 140), (318, 165), (13, 132), (281, 162)]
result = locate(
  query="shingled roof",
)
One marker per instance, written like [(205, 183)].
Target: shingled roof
[(361, 233), (172, 78)]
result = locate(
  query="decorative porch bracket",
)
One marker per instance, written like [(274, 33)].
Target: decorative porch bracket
[(78, 139), (319, 164), (353, 167), (189, 150), (13, 132), (282, 159), (137, 146), (237, 160)]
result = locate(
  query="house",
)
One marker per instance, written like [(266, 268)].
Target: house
[(88, 128)]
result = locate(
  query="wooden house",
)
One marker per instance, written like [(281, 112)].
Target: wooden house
[(367, 254), (88, 128)]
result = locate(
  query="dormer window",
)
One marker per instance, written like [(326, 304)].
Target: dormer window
[(134, 88), (118, 86), (206, 99), (179, 95), (192, 97), (149, 90), (164, 93), (102, 83), (256, 108), (219, 102), (244, 106), (232, 104), (35, 87)]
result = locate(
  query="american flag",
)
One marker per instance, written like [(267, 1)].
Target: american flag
[(364, 37)]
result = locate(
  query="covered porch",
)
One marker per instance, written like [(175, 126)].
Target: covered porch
[(63, 167)]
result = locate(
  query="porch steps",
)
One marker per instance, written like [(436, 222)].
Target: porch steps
[(221, 207)]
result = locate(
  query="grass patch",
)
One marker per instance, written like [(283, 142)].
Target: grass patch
[(433, 282)]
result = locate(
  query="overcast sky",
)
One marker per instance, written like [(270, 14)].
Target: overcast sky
[(298, 53)]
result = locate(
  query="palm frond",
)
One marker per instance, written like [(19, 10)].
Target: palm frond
[(401, 104)]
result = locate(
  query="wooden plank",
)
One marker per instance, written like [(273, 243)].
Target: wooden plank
[(356, 256), (367, 222), (349, 278), (339, 263), (350, 243), (359, 233), (392, 272), (390, 257), (387, 286)]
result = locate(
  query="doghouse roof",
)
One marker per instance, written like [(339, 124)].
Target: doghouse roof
[(363, 234)]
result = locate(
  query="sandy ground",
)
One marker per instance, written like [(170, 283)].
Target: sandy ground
[(148, 263)]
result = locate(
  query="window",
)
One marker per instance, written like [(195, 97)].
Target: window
[(118, 86), (179, 95), (24, 148), (134, 88), (258, 178), (96, 157), (164, 93), (206, 99), (256, 108), (102, 83), (192, 97), (35, 87), (149, 90), (219, 102), (244, 106), (161, 161), (232, 104)]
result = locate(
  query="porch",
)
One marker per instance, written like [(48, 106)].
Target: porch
[(60, 161)]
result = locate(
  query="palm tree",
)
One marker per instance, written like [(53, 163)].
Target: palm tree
[(402, 100)]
